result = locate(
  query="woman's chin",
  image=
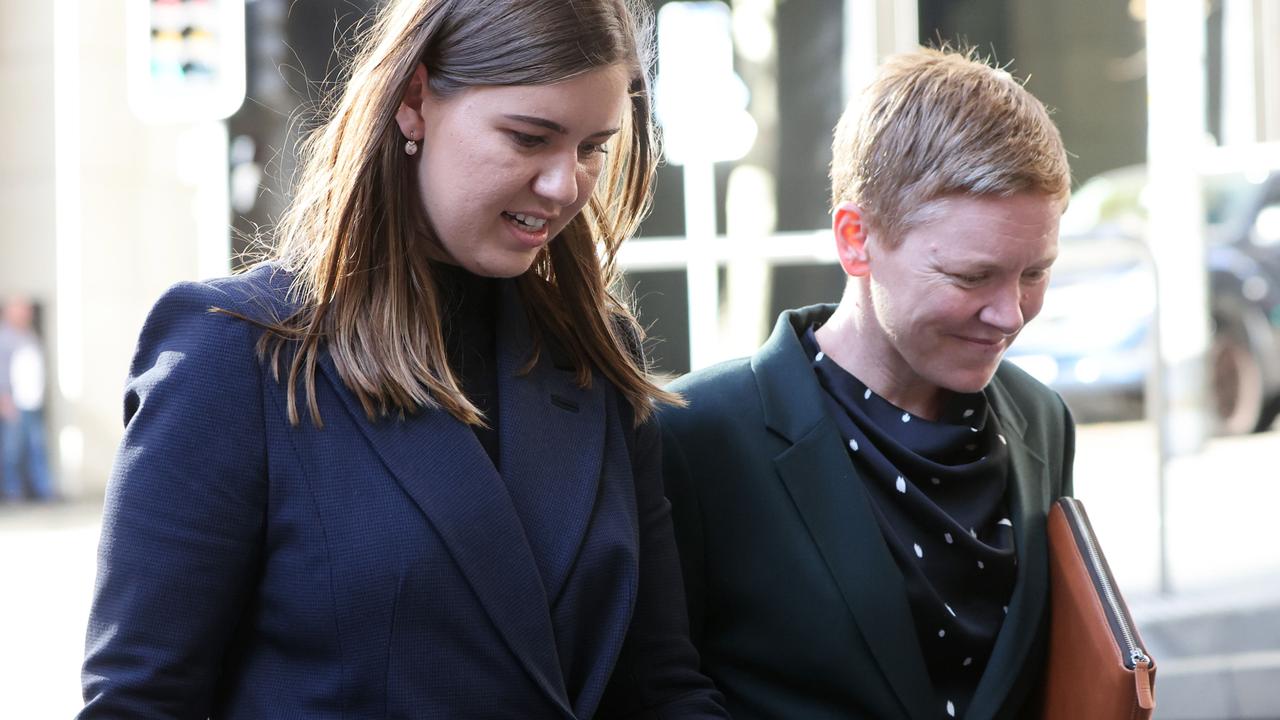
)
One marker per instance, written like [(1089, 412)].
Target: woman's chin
[(969, 382), (508, 266)]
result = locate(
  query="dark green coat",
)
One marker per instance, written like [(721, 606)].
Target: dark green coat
[(797, 608)]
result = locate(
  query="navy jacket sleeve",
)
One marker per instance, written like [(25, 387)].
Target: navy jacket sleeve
[(657, 674), (184, 514)]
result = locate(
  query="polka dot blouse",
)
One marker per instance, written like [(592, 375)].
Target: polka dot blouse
[(937, 489)]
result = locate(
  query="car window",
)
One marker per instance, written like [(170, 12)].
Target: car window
[(1119, 198), (1226, 197), (1113, 197)]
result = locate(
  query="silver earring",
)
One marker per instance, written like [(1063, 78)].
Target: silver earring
[(411, 147)]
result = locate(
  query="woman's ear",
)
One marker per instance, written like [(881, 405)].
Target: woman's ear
[(850, 229), (409, 116)]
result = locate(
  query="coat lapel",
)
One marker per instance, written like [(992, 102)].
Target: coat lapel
[(1029, 504), (831, 499), (444, 469), (551, 444)]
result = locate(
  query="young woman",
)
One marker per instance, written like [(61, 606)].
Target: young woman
[(404, 468)]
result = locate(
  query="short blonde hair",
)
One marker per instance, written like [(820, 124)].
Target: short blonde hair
[(939, 122)]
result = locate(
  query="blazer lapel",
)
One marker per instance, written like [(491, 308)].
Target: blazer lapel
[(551, 444), (834, 505), (444, 469), (1029, 504)]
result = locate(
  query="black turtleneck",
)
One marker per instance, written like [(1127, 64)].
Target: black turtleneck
[(468, 307)]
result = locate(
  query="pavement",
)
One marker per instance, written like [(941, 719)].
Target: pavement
[(1214, 631), (1219, 654), (1211, 619), (47, 565)]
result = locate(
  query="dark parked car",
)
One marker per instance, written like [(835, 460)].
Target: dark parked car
[(1093, 340)]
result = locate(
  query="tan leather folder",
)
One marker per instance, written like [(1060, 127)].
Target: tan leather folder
[(1098, 667)]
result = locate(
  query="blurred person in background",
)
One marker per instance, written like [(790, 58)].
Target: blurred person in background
[(23, 455), (861, 505), (407, 467)]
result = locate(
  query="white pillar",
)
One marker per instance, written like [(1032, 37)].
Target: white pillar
[(68, 246), (1269, 68), (1239, 111), (1176, 137), (873, 30)]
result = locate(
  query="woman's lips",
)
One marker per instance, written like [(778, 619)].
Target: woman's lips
[(989, 344), (529, 230)]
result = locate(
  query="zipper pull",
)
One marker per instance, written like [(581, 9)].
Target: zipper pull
[(1142, 672)]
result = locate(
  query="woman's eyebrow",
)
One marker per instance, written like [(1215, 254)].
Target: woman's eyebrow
[(555, 126)]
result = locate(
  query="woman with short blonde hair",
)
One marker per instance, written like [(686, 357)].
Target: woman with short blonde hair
[(861, 505)]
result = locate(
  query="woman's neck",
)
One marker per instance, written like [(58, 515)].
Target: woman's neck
[(853, 338)]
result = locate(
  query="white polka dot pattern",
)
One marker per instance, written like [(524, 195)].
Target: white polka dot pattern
[(960, 444)]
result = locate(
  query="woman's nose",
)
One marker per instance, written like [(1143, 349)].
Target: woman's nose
[(558, 180), (1004, 310)]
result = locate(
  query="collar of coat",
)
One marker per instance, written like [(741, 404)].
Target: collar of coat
[(822, 481)]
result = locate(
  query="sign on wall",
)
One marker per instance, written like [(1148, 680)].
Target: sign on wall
[(186, 59)]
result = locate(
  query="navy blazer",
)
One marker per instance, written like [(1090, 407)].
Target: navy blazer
[(253, 569), (797, 608)]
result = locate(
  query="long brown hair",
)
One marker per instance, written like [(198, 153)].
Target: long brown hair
[(357, 241)]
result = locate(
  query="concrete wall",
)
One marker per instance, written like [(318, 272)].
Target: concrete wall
[(137, 228), (26, 149)]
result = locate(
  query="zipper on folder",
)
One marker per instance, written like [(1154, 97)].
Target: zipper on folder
[(1142, 677), (1132, 654)]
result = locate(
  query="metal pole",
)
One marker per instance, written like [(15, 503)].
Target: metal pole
[(702, 272), (1157, 412)]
